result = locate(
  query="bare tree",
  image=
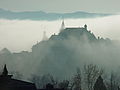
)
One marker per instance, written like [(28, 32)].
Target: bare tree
[(42, 81), (75, 83), (36, 79), (114, 81), (53, 81), (91, 74), (111, 81), (71, 84), (64, 84), (77, 80)]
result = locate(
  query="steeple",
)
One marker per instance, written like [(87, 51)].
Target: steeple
[(44, 36), (5, 71), (62, 26)]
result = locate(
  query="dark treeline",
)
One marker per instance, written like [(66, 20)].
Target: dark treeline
[(89, 77)]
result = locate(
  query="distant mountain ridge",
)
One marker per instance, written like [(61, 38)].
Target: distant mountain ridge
[(40, 15)]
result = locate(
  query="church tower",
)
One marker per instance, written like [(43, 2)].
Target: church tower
[(62, 26), (5, 71)]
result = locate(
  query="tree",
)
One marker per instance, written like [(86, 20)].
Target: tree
[(75, 83), (37, 80), (99, 84), (91, 74), (114, 81), (42, 81), (64, 84), (77, 80)]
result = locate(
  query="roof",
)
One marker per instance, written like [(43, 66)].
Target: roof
[(75, 28), (19, 83), (14, 84), (52, 89), (7, 83)]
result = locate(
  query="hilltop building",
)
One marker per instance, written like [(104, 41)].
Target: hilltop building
[(76, 32), (7, 83), (63, 27)]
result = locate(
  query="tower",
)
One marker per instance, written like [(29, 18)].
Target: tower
[(44, 36), (85, 26), (62, 26), (5, 71)]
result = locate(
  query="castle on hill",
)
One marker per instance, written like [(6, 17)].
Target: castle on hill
[(63, 28), (82, 34), (77, 32)]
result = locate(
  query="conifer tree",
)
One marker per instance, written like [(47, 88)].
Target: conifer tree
[(99, 84)]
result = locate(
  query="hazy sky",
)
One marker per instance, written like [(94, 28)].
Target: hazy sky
[(108, 6)]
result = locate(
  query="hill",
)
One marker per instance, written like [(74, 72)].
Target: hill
[(40, 15)]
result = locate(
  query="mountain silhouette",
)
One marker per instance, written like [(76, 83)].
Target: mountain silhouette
[(5, 51), (40, 15)]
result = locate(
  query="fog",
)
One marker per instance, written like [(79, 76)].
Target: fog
[(19, 35), (58, 58)]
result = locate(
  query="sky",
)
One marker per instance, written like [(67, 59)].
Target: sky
[(100, 6)]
